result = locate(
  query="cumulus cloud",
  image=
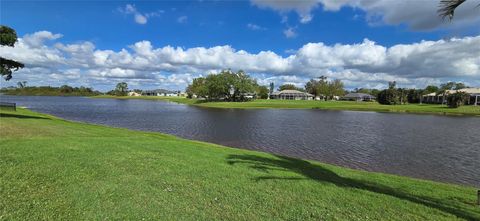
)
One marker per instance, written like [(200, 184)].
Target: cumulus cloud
[(302, 8), (364, 64), (418, 15), (290, 33), (139, 17)]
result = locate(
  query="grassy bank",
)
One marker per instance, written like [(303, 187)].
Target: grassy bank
[(326, 105), (56, 169)]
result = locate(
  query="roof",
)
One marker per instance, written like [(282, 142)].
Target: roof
[(358, 95), (160, 91), (292, 92), (466, 90), (471, 91)]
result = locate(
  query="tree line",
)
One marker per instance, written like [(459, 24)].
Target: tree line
[(397, 96), (65, 90)]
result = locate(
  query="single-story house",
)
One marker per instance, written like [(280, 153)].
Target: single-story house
[(160, 92), (291, 95), (358, 97), (134, 94), (434, 98), (248, 96)]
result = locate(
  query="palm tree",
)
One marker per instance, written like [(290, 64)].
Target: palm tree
[(447, 7)]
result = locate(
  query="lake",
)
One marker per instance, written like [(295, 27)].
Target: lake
[(434, 147)]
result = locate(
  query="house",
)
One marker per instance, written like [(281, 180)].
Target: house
[(160, 92), (291, 95), (358, 97), (434, 98), (134, 94)]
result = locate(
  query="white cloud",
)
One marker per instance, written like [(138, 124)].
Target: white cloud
[(363, 64), (416, 14), (303, 8), (255, 27), (138, 17), (182, 19), (290, 33)]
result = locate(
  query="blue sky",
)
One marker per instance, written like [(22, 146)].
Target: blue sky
[(283, 28)]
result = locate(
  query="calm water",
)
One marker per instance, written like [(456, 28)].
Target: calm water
[(440, 148)]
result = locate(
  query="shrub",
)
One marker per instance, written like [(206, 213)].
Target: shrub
[(456, 100)]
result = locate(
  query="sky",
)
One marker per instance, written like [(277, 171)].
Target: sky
[(165, 44)]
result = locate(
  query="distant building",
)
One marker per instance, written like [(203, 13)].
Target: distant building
[(434, 98), (134, 94), (160, 92), (358, 97), (291, 95)]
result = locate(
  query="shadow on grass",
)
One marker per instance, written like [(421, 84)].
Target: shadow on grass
[(322, 174), (21, 116)]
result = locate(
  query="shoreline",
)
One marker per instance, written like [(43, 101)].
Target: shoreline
[(423, 109), (78, 161)]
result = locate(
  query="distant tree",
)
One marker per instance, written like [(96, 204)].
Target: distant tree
[(262, 92), (389, 96), (414, 95), (121, 89), (445, 87), (22, 84), (219, 86), (457, 99), (287, 87), (311, 87), (322, 87), (335, 88), (8, 37), (272, 87), (459, 86), (431, 89), (66, 89)]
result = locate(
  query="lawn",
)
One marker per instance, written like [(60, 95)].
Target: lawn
[(52, 169), (327, 105)]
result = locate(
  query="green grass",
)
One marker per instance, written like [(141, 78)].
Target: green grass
[(326, 105), (52, 169)]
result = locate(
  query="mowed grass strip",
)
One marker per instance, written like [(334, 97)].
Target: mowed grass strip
[(325, 105), (53, 169)]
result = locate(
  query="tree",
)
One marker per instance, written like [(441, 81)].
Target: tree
[(272, 87), (8, 37), (335, 88), (431, 89), (121, 89), (225, 85), (389, 96), (22, 84), (457, 99), (66, 89), (311, 87), (262, 92), (287, 87), (414, 95)]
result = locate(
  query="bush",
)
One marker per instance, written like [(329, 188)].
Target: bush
[(456, 100), (388, 97)]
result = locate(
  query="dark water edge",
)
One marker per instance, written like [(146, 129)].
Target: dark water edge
[(433, 147)]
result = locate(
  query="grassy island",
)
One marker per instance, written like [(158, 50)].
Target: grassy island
[(325, 105), (52, 169)]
